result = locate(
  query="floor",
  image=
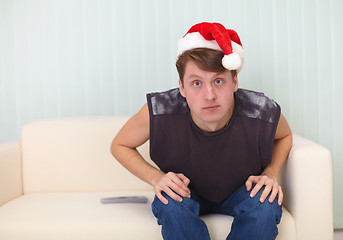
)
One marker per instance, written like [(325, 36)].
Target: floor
[(339, 234)]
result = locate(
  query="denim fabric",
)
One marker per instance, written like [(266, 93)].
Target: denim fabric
[(252, 219)]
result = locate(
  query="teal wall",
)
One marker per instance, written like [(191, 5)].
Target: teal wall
[(72, 58)]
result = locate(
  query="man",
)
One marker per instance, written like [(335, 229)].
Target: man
[(219, 149)]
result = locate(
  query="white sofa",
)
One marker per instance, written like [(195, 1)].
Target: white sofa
[(52, 180)]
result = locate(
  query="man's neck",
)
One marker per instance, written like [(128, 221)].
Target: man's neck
[(213, 127)]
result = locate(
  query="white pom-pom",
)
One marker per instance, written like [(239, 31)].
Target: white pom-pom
[(232, 61)]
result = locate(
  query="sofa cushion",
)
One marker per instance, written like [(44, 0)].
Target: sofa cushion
[(76, 216), (74, 155), (72, 216)]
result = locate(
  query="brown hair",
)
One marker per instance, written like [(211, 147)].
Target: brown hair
[(205, 58)]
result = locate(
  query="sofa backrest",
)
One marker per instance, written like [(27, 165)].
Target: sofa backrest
[(74, 155)]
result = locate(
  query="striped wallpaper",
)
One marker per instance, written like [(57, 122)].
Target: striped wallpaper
[(74, 58)]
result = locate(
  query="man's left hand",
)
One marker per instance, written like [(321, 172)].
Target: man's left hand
[(271, 186)]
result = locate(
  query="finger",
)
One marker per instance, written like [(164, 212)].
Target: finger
[(162, 199), (255, 190), (265, 193), (280, 196), (180, 191), (167, 184), (167, 190), (178, 186), (181, 181), (275, 191), (250, 181), (258, 186), (173, 195), (184, 179)]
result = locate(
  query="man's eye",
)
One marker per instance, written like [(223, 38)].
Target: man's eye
[(196, 84), (218, 81)]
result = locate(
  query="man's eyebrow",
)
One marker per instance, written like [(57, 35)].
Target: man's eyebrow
[(194, 76), (198, 76)]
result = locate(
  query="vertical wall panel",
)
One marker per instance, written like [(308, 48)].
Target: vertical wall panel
[(18, 61), (310, 63), (296, 68), (8, 100), (76, 58), (336, 39), (281, 52), (251, 16), (266, 57), (324, 73)]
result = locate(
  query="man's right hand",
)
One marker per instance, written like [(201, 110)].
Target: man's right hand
[(174, 185), (134, 133)]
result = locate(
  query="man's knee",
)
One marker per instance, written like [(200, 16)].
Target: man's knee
[(263, 211), (174, 208)]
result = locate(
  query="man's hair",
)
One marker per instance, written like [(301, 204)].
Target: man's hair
[(205, 58)]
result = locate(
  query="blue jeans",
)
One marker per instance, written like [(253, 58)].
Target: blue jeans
[(252, 219)]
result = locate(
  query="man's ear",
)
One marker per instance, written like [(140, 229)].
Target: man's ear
[(235, 82), (181, 88)]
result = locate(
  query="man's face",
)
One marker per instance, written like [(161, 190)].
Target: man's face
[(209, 96)]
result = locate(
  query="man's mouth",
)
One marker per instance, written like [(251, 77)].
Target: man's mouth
[(211, 108)]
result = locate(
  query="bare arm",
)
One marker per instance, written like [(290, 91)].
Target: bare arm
[(269, 177), (133, 134)]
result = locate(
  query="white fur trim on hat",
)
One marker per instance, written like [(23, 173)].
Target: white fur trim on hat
[(195, 40), (233, 61)]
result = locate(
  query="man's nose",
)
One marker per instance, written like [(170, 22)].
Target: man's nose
[(209, 93)]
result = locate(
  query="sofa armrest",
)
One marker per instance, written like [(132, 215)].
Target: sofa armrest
[(307, 183), (10, 172)]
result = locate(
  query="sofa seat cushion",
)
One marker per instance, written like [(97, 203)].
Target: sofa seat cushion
[(75, 216)]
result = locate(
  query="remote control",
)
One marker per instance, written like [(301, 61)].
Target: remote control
[(126, 199)]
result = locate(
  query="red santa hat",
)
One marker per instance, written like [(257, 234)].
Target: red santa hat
[(214, 36)]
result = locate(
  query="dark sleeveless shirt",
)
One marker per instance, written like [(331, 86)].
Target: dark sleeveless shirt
[(216, 164)]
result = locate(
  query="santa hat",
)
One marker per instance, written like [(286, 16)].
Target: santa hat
[(215, 36)]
